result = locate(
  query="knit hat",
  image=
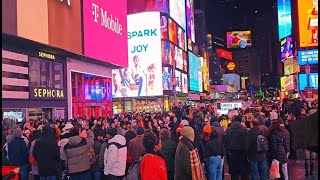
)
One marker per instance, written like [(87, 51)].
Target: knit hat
[(140, 130), (207, 129), (68, 126), (188, 132), (17, 132), (184, 122), (112, 132)]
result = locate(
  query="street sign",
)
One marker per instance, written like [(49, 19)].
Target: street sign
[(308, 70)]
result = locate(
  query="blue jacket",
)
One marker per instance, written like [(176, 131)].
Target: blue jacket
[(18, 152)]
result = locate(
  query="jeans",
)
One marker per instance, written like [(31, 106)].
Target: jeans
[(24, 173), (96, 175), (284, 171), (48, 178), (258, 168), (81, 177), (214, 168)]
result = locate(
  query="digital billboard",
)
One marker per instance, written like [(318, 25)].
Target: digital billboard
[(164, 26), (178, 12), (291, 66), (308, 22), (232, 80), (239, 39), (205, 72), (313, 80), (286, 48), (144, 72), (224, 54), (190, 20), (308, 57), (173, 31), (105, 31), (97, 88), (178, 81), (287, 83), (195, 74), (179, 58), (166, 78), (156, 5), (284, 18), (184, 81)]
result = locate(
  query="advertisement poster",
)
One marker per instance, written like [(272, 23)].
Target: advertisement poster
[(144, 73), (232, 80), (178, 81), (184, 80), (97, 88), (166, 78), (308, 22), (179, 58), (284, 18), (181, 39), (157, 5), (190, 20), (287, 83), (195, 73), (205, 72), (239, 39), (173, 32), (224, 54), (166, 53), (308, 56), (178, 12), (313, 81), (164, 26), (105, 30), (286, 48), (291, 66)]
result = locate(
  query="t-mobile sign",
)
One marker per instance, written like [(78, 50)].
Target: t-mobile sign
[(105, 31)]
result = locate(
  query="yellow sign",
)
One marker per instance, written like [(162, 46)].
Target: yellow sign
[(231, 66), (291, 66), (46, 55), (48, 93)]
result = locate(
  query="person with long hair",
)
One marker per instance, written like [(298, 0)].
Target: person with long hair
[(34, 166)]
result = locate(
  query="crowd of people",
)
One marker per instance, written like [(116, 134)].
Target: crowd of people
[(185, 143)]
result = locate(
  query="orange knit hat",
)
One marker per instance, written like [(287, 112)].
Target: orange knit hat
[(207, 129)]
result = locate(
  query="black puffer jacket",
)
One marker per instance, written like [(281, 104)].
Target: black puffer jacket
[(235, 138), (277, 146)]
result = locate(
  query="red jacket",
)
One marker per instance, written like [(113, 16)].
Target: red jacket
[(153, 167)]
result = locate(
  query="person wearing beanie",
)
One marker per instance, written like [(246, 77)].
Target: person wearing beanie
[(182, 158), (168, 151), (286, 136), (206, 134), (136, 148), (115, 155), (18, 153)]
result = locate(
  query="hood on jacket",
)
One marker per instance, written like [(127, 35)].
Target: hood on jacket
[(236, 125), (216, 124), (74, 140), (118, 139)]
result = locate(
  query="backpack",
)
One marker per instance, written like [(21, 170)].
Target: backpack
[(262, 143), (134, 170)]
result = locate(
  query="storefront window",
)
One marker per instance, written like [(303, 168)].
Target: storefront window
[(45, 73)]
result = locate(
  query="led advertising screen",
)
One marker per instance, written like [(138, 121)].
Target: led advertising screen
[(105, 31), (205, 71), (184, 81), (166, 75), (179, 58), (178, 12), (313, 80), (291, 66), (97, 88), (167, 54), (164, 26), (181, 39), (173, 32), (286, 48), (178, 81), (239, 39), (195, 74), (287, 83), (308, 22), (232, 80), (310, 56), (190, 20), (156, 5), (284, 18), (145, 68)]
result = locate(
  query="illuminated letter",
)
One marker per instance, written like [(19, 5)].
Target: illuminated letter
[(58, 93), (44, 93), (53, 93), (35, 92), (40, 92), (49, 93), (62, 95), (94, 12)]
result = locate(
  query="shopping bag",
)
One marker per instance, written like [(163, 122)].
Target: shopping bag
[(274, 169)]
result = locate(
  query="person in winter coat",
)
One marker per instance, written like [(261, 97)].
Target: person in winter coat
[(168, 151), (278, 147), (115, 156), (182, 161), (287, 140), (95, 171), (34, 167), (136, 148), (214, 153), (152, 165), (18, 153), (257, 160), (235, 139), (78, 153), (46, 153)]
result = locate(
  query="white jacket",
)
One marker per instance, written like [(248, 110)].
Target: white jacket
[(115, 156)]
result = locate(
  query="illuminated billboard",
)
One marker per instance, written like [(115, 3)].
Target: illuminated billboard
[(286, 48), (313, 80), (144, 72), (190, 20), (178, 81), (195, 74), (308, 22), (291, 66), (178, 12), (156, 5), (232, 80), (239, 39), (166, 78), (308, 57), (284, 18), (184, 81), (205, 71), (105, 30), (287, 83)]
